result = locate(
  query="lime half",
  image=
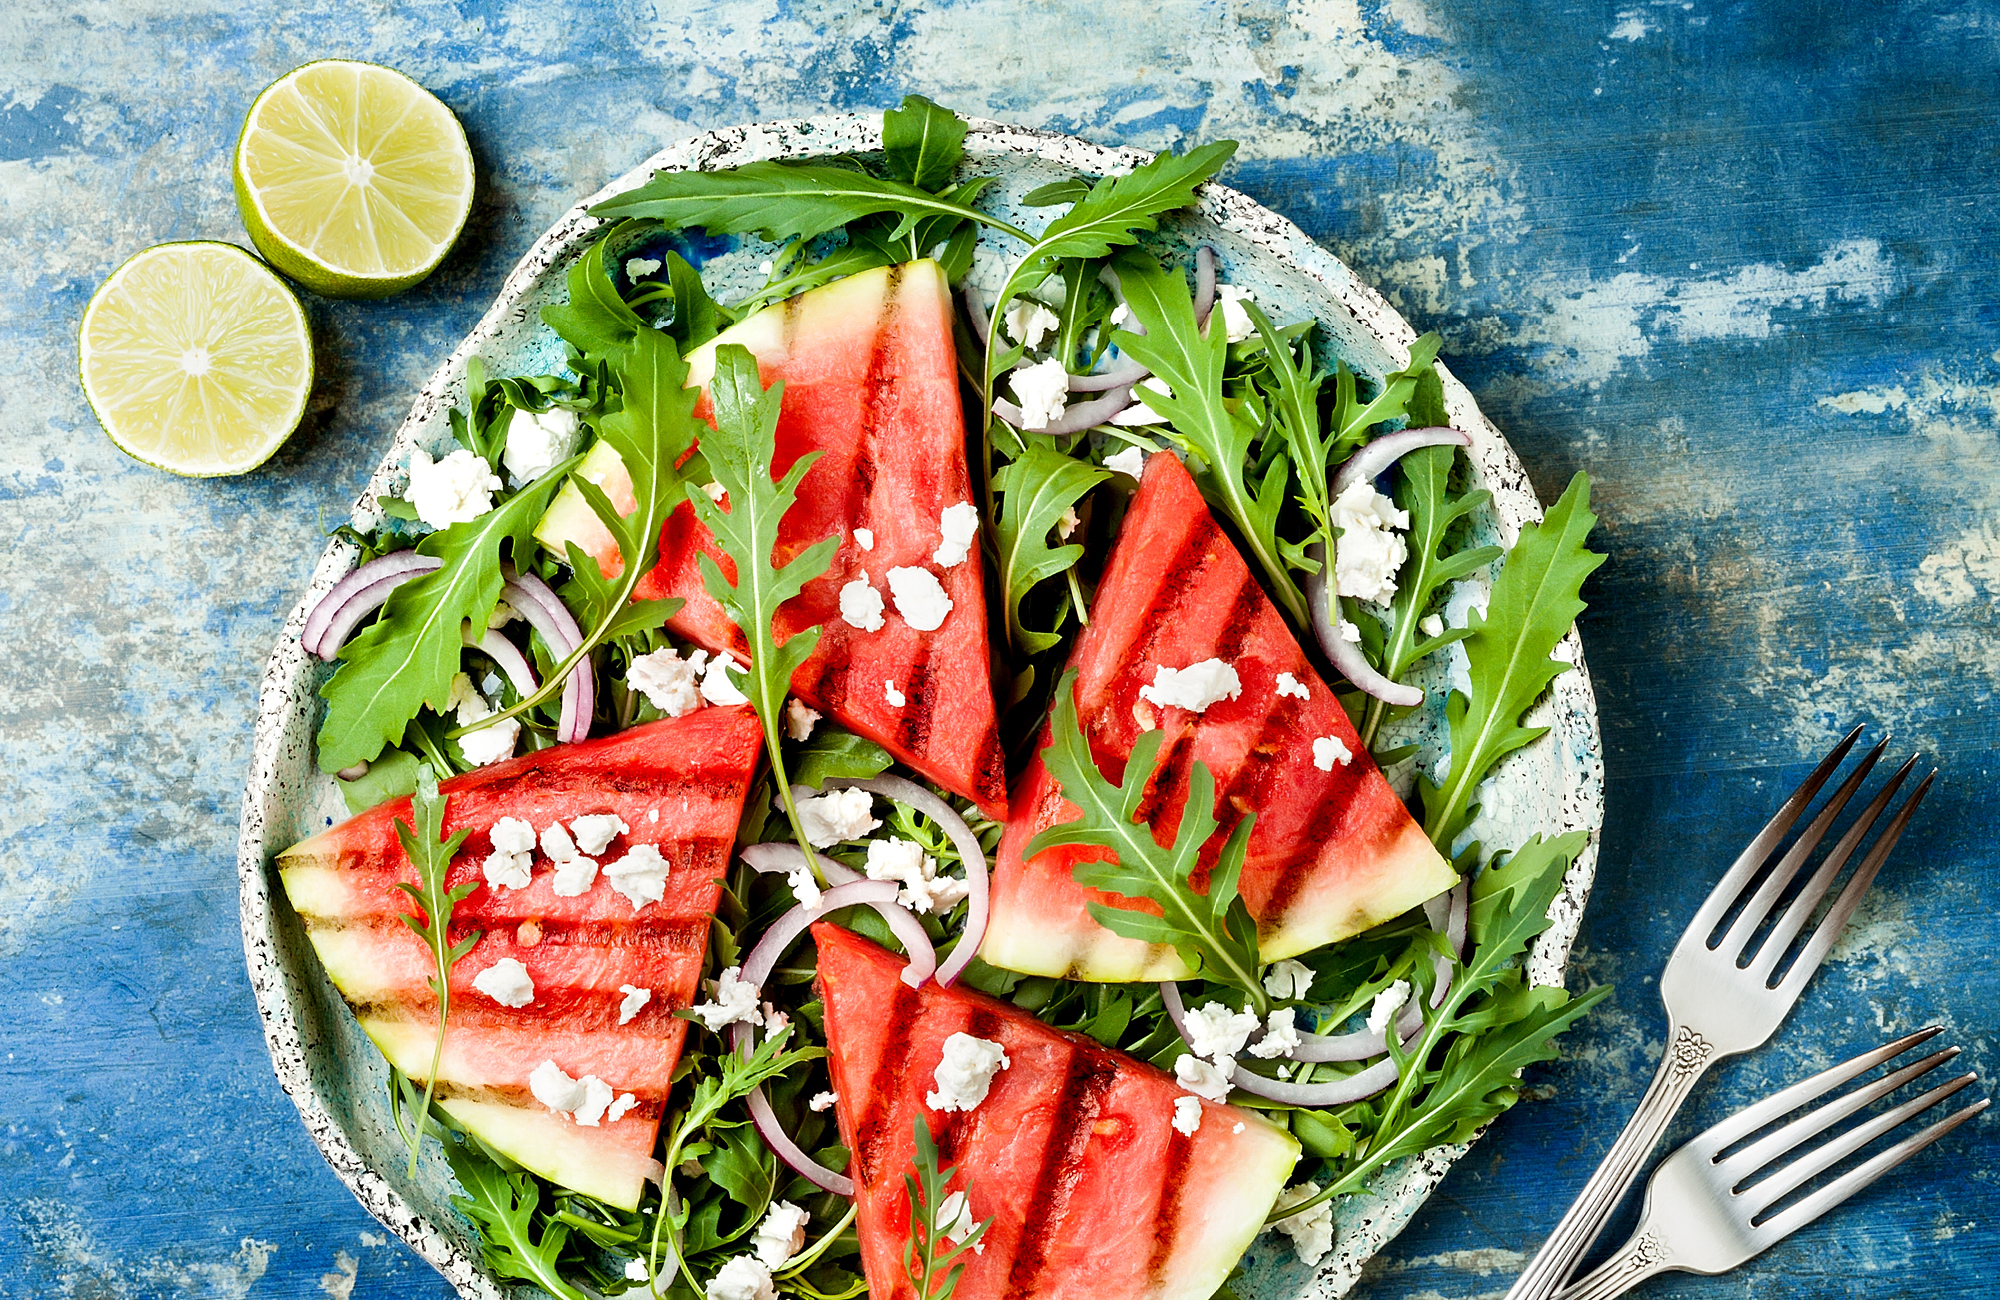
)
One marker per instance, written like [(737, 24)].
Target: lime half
[(196, 358), (353, 179)]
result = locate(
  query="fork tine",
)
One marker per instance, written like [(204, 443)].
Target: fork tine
[(1783, 1182), (1751, 1118), (1760, 848), (1779, 941), (1758, 909), (1850, 898), (1792, 1218)]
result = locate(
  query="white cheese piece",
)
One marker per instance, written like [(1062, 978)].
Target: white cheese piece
[(1041, 391), (1139, 413), (965, 1074), (1370, 552), (905, 862), (597, 1098), (865, 538), (1236, 323), (506, 870), (635, 1001), (1350, 632), (958, 525), (1238, 1128), (892, 694), (1431, 625), (1328, 750), (641, 875), (488, 744), (955, 1221), (1187, 1114), (575, 876), (453, 490), (556, 842), (716, 492), (638, 268), (837, 815), (1120, 314), (734, 1002), (536, 441), (626, 1101), (799, 720), (555, 1089), (1290, 685), (1214, 1031), (1027, 321), (503, 614), (1281, 1036), (1202, 1078), (1067, 524), (507, 982), (822, 1101), (919, 597), (781, 1235), (594, 832), (670, 683), (1312, 1231), (1288, 979), (1194, 687), (513, 835), (742, 1278), (1130, 462), (1387, 1003), (716, 687), (861, 604)]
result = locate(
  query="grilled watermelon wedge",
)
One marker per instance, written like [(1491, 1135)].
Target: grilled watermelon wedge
[(1093, 1193), (677, 784), (871, 382), (1331, 852)]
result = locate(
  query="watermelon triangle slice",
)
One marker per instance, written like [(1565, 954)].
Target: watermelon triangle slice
[(1332, 852), (871, 381), (1093, 1193), (678, 785)]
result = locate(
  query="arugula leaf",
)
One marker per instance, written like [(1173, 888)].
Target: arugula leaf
[(1118, 208), (1534, 602), (1296, 406), (1036, 490), (389, 777), (408, 656), (596, 321), (502, 1206), (1352, 418), (430, 854), (740, 453), (833, 754), (1190, 360), (1212, 932), (922, 142), (923, 1260), (697, 317), (743, 1167)]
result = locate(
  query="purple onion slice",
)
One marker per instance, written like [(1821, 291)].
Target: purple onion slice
[(978, 884), (1123, 373), (1386, 450), (1337, 1092), (782, 858), (1076, 417), (1204, 284), (547, 614), (508, 657), (1343, 654), (356, 595), (976, 313)]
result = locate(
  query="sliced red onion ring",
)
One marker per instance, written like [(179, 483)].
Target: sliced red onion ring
[(547, 614), (1204, 284), (1386, 450), (1338, 1092), (357, 595), (978, 885), (1123, 373), (507, 656), (784, 858), (976, 313), (1075, 418), (1346, 655), (791, 1152)]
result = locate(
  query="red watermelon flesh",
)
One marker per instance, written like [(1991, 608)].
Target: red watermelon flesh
[(871, 382), (679, 784), (1331, 853), (1073, 1155)]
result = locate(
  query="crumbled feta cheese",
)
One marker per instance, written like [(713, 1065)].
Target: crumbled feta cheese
[(507, 982), (453, 490), (1281, 1036), (891, 693), (1238, 1128), (1067, 524), (536, 440), (799, 720), (1328, 750), (865, 538), (1041, 391), (1431, 625), (555, 1089), (734, 1002), (742, 1278), (781, 1235), (924, 890), (919, 597), (1312, 1231), (635, 1271), (822, 1101), (1350, 631), (503, 614), (638, 268), (1370, 551), (1140, 413), (1120, 314), (861, 604), (595, 831), (958, 524), (1202, 1078), (716, 492), (805, 887), (1387, 1003), (670, 683), (837, 815), (955, 1221), (1236, 323), (575, 877), (1130, 462), (1215, 1031), (488, 744), (652, 814), (1027, 321), (556, 842), (641, 875), (965, 1074), (1288, 979), (716, 687), (597, 1098), (626, 1101), (1290, 685), (1187, 1114), (635, 1001), (1194, 687), (513, 846)]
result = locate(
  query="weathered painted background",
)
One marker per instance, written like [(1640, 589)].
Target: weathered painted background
[(1741, 261)]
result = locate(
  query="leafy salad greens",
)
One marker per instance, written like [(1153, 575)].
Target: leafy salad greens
[(1264, 425)]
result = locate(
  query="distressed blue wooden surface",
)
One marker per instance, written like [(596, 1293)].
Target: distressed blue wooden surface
[(1736, 260)]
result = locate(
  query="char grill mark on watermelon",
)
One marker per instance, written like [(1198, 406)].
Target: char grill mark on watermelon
[(1076, 1112), (876, 1133), (951, 1128), (1166, 1218), (919, 700)]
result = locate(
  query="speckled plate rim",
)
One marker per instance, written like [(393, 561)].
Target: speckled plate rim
[(287, 697)]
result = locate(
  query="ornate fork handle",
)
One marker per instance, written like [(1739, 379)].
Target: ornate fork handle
[(1640, 1258), (1687, 1059)]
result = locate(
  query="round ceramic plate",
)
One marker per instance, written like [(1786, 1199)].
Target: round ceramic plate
[(333, 1072)]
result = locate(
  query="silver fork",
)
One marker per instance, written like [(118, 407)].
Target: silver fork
[(1701, 1218), (1721, 999)]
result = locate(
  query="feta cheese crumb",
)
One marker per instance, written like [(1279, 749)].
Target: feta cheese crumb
[(959, 524), (637, 268), (1130, 462), (965, 1074), (575, 877), (1328, 750), (635, 1001), (1238, 1128), (1312, 1231), (822, 1101), (1194, 687), (905, 862), (513, 846), (1215, 1031), (1120, 314), (1288, 979), (742, 1278), (635, 1270), (799, 720), (735, 1002), (555, 1089), (716, 492), (1187, 1114), (670, 683), (837, 815), (453, 490), (536, 440), (1139, 413), (626, 1101), (1387, 1003), (513, 835), (595, 831), (507, 982), (1202, 1078), (861, 604), (781, 1235), (955, 1221), (1281, 1036), (865, 538), (1067, 524), (641, 875), (716, 687), (1236, 323), (919, 597), (1431, 625), (892, 694), (556, 842), (597, 1098), (1041, 390), (1350, 631), (1027, 321), (1290, 685), (1370, 552), (805, 888), (488, 744)]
